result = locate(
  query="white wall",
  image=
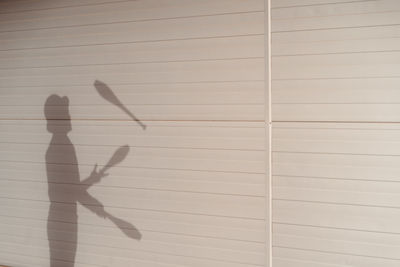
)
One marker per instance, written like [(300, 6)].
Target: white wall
[(336, 133), (194, 183)]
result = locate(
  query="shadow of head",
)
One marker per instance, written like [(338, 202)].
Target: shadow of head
[(56, 111)]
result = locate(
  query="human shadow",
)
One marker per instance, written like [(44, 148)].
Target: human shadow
[(66, 189)]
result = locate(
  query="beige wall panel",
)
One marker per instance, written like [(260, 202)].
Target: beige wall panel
[(194, 181), (151, 30), (335, 91), (185, 202), (337, 112), (359, 170), (328, 215), (171, 158), (325, 36), (337, 166), (164, 72), (383, 245), (198, 100), (337, 191), (200, 135), (322, 259), (173, 50), (335, 8), (358, 65), (122, 11), (351, 14), (338, 45), (335, 133), (163, 243), (346, 140), (212, 93), (148, 112), (294, 3), (155, 179), (16, 6), (184, 224)]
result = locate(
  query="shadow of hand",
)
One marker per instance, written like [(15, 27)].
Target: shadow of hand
[(94, 177)]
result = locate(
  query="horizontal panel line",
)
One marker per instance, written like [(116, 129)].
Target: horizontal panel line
[(335, 178), (140, 188), (52, 8), (27, 21), (155, 252), (338, 253), (322, 4), (339, 122), (148, 168), (318, 42), (333, 153), (162, 253), (47, 259), (133, 259), (336, 228), (133, 42), (327, 103), (371, 127), (277, 20), (133, 21), (337, 78), (336, 53), (337, 28), (148, 188), (155, 210), (336, 203), (135, 83), (135, 63), (141, 230), (174, 124), (127, 120), (138, 146), (136, 104)]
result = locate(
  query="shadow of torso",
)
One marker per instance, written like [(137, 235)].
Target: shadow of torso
[(63, 179)]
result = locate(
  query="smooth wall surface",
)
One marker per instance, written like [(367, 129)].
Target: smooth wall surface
[(179, 87), (336, 133)]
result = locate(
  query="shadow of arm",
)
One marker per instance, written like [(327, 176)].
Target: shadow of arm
[(92, 204)]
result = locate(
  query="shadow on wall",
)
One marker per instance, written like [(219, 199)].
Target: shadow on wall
[(65, 188)]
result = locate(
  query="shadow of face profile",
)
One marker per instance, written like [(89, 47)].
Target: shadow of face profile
[(56, 109)]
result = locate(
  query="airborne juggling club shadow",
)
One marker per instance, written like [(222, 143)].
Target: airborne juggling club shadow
[(109, 95)]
